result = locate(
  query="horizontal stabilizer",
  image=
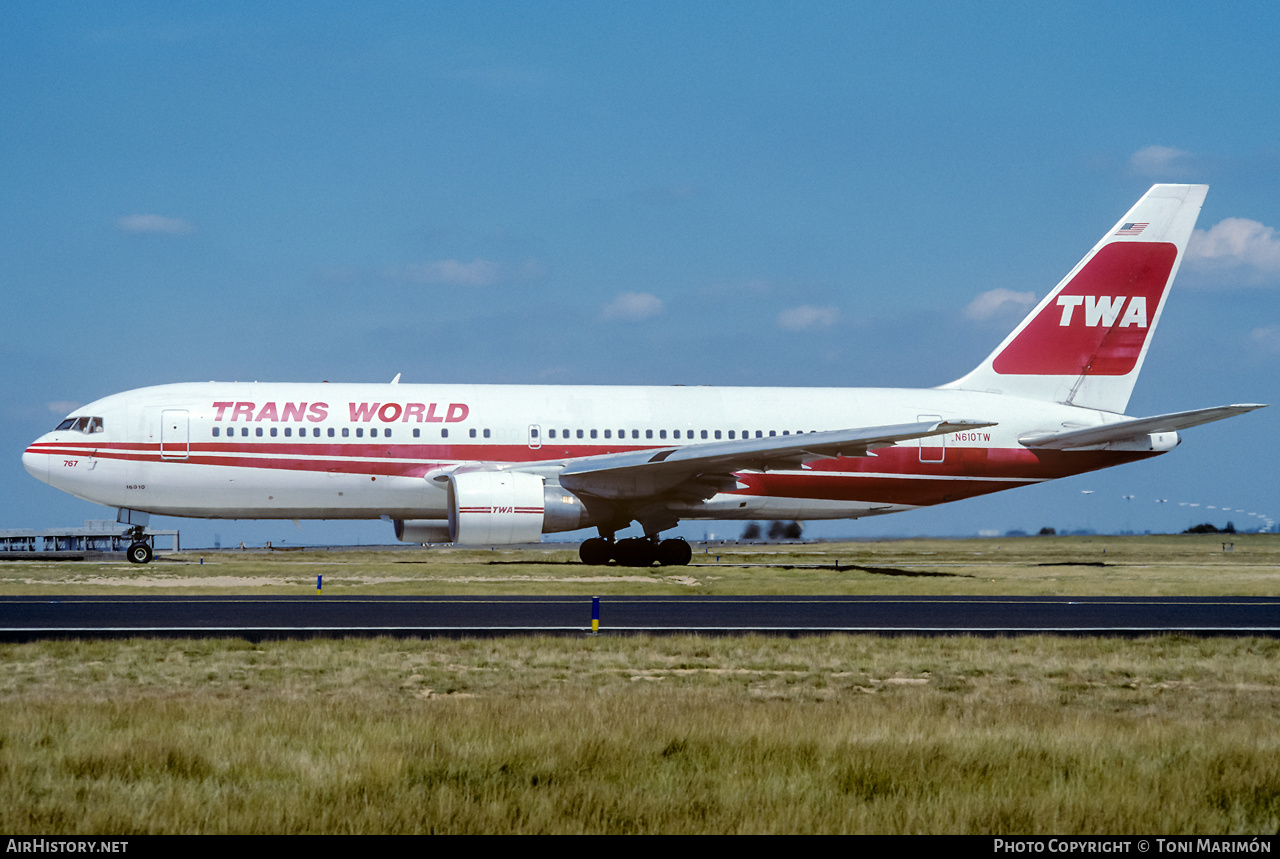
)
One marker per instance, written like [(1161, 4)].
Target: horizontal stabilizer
[(1132, 429)]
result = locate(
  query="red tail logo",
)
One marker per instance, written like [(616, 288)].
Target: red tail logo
[(1099, 322)]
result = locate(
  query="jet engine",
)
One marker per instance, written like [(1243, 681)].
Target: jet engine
[(495, 507), (488, 508)]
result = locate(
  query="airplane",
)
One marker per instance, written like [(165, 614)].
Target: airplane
[(487, 465)]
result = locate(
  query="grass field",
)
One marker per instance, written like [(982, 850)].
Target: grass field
[(1192, 565), (655, 734)]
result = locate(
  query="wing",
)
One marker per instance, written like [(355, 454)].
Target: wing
[(1133, 429), (701, 470)]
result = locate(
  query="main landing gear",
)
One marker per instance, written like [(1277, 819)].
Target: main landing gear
[(139, 551), (635, 552)]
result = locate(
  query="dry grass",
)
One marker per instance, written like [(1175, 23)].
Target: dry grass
[(642, 734), (1084, 566), (679, 734)]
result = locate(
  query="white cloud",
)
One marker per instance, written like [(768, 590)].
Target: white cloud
[(63, 407), (1158, 161), (478, 272), (1236, 242), (808, 318), (1266, 338), (633, 306), (996, 301), (155, 224)]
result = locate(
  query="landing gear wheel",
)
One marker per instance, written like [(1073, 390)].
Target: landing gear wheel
[(138, 553), (635, 552), (674, 553), (596, 551)]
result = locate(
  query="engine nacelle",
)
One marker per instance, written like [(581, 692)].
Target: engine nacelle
[(563, 511), (494, 507), (422, 530)]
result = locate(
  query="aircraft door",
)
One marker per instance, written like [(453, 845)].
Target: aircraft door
[(933, 448), (175, 440), (535, 436)]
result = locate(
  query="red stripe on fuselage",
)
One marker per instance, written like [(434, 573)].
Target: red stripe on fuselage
[(894, 475)]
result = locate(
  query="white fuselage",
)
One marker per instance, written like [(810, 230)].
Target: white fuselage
[(364, 451)]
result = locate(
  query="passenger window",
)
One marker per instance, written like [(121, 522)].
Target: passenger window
[(662, 433), (717, 434), (648, 433), (346, 432), (444, 433), (288, 431), (593, 433), (607, 433), (551, 433), (635, 433), (273, 432), (676, 434), (331, 433), (258, 432), (486, 433), (215, 432), (772, 433), (704, 433), (416, 432), (579, 433), (359, 432), (471, 433)]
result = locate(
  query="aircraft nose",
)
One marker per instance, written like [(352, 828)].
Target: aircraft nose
[(37, 464)]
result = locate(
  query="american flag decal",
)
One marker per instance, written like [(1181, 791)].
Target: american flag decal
[(1131, 229)]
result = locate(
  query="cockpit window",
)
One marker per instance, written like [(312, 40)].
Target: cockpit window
[(85, 425)]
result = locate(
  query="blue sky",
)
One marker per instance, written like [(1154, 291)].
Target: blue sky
[(693, 193)]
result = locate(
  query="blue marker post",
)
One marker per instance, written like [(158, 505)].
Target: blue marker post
[(319, 582), (595, 615)]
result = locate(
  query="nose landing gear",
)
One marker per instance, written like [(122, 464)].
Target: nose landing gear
[(139, 551)]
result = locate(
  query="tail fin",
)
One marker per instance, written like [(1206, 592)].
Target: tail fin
[(1084, 344)]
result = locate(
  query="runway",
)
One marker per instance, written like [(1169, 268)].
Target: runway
[(36, 617)]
